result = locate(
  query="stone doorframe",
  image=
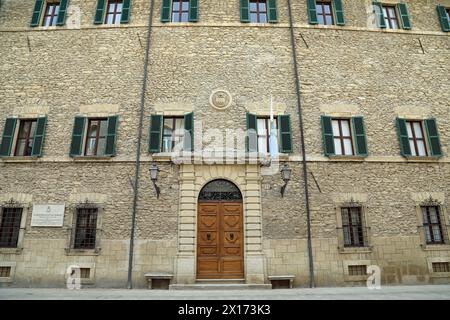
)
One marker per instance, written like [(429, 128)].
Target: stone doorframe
[(192, 179)]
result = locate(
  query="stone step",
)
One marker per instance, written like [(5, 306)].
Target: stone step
[(220, 286)]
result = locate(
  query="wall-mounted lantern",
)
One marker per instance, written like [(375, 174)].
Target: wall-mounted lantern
[(154, 171), (286, 176)]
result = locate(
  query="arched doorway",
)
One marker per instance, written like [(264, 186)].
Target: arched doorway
[(220, 238)]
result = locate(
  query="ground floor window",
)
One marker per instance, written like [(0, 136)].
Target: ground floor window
[(432, 223), (352, 224), (85, 228), (10, 227)]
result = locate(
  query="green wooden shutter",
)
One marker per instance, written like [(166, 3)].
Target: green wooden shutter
[(189, 132), (76, 146), (155, 135), (443, 17), (39, 137), (273, 11), (252, 133), (378, 10), (193, 10), (61, 20), (100, 12), (111, 138), (245, 11), (312, 12), (328, 138), (434, 142), (404, 15), (360, 136), (126, 10), (8, 136), (403, 138), (285, 133), (36, 17), (339, 12), (166, 11)]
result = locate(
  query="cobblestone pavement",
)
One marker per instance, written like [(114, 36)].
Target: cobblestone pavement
[(429, 292)]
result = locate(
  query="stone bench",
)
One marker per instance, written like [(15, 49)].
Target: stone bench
[(279, 279), (158, 280)]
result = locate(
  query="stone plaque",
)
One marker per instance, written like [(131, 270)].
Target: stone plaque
[(47, 215), (220, 99)]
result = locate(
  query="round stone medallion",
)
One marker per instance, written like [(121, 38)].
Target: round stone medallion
[(220, 99)]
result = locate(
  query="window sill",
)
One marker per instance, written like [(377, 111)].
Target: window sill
[(355, 278), (435, 247), (20, 158), (350, 250), (6, 280), (92, 158), (11, 250), (422, 159), (440, 275), (347, 158), (82, 252)]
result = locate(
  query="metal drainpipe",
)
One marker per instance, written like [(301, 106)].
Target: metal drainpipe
[(304, 164), (138, 152)]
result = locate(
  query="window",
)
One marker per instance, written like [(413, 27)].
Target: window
[(433, 225), (10, 227), (343, 144), (173, 133), (264, 134), (85, 228), (25, 137), (448, 13), (96, 137), (357, 270), (441, 266), (390, 16), (180, 11), (324, 13), (85, 273), (258, 11), (5, 272), (352, 226), (114, 12), (51, 14), (416, 138)]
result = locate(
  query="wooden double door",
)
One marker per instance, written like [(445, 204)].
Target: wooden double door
[(220, 241)]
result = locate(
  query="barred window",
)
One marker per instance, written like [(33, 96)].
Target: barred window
[(5, 272), (85, 273), (85, 228), (433, 225), (357, 270), (352, 225), (441, 266), (10, 227)]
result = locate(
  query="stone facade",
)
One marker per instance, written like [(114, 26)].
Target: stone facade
[(353, 70)]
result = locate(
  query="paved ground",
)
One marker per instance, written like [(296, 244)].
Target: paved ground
[(430, 292)]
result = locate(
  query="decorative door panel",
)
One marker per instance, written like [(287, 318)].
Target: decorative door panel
[(220, 241)]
